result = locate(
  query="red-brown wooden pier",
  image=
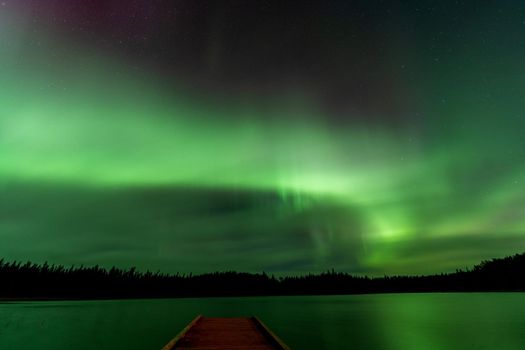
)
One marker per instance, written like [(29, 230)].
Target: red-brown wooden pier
[(221, 333)]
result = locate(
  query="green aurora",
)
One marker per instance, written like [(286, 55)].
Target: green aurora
[(102, 163)]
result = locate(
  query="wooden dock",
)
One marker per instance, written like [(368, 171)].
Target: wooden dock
[(221, 333)]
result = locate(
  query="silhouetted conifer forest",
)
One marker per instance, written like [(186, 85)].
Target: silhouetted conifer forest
[(32, 281)]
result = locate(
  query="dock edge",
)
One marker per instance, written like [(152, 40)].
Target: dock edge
[(181, 334), (269, 334)]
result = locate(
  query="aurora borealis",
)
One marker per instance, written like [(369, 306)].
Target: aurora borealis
[(365, 136)]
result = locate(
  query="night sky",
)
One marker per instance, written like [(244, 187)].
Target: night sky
[(372, 137)]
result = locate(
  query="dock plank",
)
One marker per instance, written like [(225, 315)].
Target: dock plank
[(226, 333)]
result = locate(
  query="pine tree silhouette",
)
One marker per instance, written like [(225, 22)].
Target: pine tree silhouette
[(32, 281)]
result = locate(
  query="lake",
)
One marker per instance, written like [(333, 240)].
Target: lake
[(385, 321)]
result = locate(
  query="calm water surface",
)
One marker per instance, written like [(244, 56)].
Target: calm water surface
[(388, 321)]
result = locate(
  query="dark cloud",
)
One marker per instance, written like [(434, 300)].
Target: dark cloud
[(177, 228)]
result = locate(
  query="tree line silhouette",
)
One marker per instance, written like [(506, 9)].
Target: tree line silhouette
[(33, 281)]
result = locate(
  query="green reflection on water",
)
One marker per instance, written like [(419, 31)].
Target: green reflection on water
[(404, 321)]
